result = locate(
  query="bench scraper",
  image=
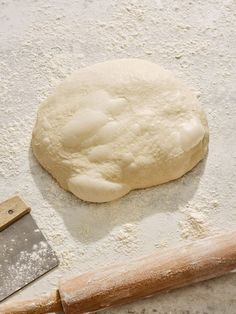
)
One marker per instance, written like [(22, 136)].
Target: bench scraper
[(25, 254)]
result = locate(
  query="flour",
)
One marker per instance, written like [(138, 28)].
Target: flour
[(125, 239), (196, 222), (42, 42), (194, 225)]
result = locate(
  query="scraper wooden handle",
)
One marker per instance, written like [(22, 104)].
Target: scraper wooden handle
[(119, 284), (12, 210)]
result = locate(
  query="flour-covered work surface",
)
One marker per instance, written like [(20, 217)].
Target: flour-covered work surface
[(41, 43)]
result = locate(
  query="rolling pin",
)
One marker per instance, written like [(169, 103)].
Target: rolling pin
[(120, 284)]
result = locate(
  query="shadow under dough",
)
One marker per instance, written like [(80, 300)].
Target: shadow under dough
[(89, 222)]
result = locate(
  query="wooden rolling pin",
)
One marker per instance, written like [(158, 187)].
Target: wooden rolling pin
[(119, 284)]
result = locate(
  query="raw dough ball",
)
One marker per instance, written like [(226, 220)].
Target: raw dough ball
[(118, 126)]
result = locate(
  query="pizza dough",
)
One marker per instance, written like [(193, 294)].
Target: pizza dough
[(118, 126)]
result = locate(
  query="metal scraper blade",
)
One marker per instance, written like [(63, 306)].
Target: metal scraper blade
[(25, 255)]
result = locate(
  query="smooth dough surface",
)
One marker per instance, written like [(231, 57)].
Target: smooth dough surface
[(118, 126)]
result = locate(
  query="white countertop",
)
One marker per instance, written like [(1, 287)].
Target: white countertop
[(41, 42)]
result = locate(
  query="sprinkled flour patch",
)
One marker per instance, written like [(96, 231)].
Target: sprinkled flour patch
[(196, 222), (125, 239), (194, 225)]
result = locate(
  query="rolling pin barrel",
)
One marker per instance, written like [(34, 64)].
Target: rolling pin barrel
[(160, 272)]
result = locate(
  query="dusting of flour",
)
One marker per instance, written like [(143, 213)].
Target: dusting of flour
[(196, 223)]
